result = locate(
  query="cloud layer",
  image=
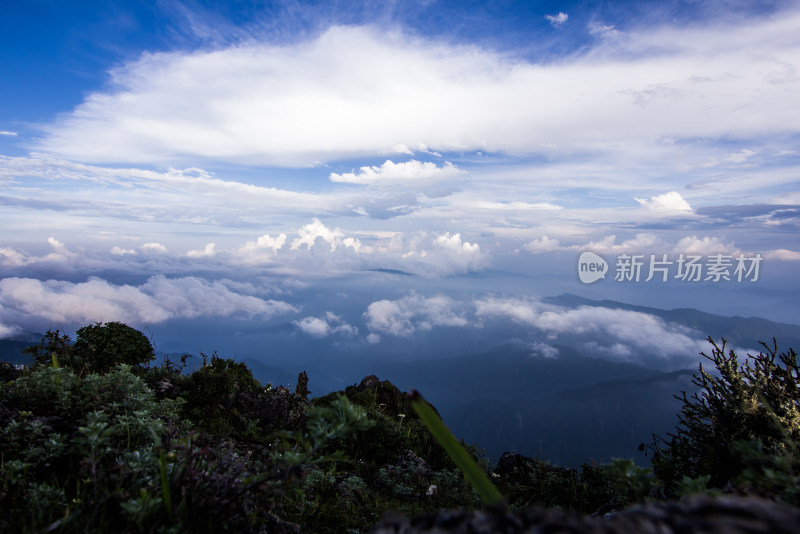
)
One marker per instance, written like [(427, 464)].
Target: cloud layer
[(28, 303), (356, 91)]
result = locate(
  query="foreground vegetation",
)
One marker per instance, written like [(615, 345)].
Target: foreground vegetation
[(95, 438)]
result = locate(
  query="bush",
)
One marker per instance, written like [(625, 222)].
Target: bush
[(97, 348), (211, 394), (740, 408), (102, 346)]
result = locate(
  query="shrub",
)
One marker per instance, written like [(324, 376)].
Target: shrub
[(739, 409), (211, 395), (102, 346), (97, 348)]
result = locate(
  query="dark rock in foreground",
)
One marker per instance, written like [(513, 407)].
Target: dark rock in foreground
[(699, 514)]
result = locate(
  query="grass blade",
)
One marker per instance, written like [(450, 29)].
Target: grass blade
[(489, 494)]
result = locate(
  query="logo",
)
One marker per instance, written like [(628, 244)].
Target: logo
[(591, 267)]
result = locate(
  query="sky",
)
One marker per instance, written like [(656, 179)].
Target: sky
[(394, 177)]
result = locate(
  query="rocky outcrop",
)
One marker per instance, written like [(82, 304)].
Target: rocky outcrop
[(382, 395), (279, 408), (694, 515)]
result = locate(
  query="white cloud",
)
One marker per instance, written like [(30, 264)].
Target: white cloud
[(33, 303), (640, 242), (436, 254), (557, 20), (643, 243), (208, 251), (313, 326), (132, 195), (620, 334), (544, 350), (262, 249), (156, 248), (667, 202), (7, 331), (339, 96), (542, 244), (413, 313), (778, 254), (317, 251), (704, 246), (119, 251), (398, 173), (58, 247), (11, 257), (741, 156), (8, 133), (325, 326), (518, 310), (605, 31), (309, 234)]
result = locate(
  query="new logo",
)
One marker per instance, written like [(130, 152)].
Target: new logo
[(591, 267)]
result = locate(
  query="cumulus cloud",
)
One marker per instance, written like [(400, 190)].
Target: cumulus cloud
[(778, 254), (704, 246), (317, 250), (640, 242), (38, 304), (598, 331), (542, 244), (58, 247), (394, 173), (557, 20), (119, 251), (324, 326), (155, 248), (322, 249), (668, 202), (309, 234), (620, 334), (206, 252), (518, 310), (413, 313), (262, 249), (11, 257), (431, 254)]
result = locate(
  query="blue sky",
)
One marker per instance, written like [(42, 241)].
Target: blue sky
[(282, 163)]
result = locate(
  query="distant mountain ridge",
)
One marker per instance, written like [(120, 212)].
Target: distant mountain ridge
[(11, 347)]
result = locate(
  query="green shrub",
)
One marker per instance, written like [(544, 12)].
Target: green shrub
[(739, 409), (102, 346), (97, 348), (211, 396)]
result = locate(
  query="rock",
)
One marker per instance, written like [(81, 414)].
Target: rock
[(277, 409), (373, 392), (302, 385), (511, 462), (694, 515)]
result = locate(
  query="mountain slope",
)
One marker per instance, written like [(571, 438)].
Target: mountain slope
[(598, 422)]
